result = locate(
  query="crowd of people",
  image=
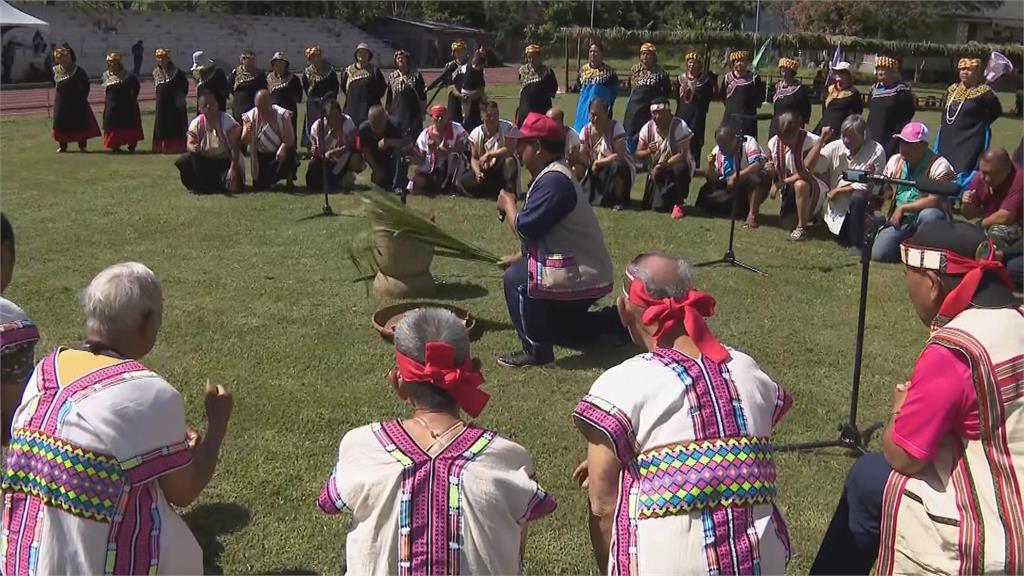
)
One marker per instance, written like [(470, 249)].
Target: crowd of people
[(679, 469)]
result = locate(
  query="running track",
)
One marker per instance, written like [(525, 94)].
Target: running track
[(34, 100)]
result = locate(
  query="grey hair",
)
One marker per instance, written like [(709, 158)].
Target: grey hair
[(681, 282), (412, 334), (119, 297), (856, 124)]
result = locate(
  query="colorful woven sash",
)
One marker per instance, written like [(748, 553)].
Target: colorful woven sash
[(681, 478), (81, 482)]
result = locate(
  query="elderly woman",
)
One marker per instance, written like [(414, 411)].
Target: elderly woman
[(213, 162), (847, 203), (320, 82), (647, 81), (696, 91), (842, 99), (432, 493), (891, 104), (538, 85), (170, 118), (244, 82), (363, 84), (789, 95), (595, 80), (211, 79), (406, 96), (968, 113), (73, 120), (743, 92), (611, 173), (125, 426), (122, 123)]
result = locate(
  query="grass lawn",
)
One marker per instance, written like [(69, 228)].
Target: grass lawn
[(263, 302)]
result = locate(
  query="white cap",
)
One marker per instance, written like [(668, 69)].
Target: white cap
[(844, 65), (200, 61)]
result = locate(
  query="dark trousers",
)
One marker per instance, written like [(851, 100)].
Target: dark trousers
[(602, 185), (201, 174), (393, 171), (271, 171), (540, 324), (852, 232), (316, 173), (669, 189), (850, 545), (715, 199)]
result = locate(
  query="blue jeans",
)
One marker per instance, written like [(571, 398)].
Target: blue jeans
[(887, 242)]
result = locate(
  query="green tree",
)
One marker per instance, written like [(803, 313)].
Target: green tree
[(893, 20)]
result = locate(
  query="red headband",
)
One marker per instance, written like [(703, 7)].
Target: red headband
[(688, 311), (947, 262), (439, 370)]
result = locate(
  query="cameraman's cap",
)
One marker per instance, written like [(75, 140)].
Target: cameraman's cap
[(913, 132), (537, 126), (841, 66)]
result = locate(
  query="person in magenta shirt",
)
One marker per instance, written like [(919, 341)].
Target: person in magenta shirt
[(955, 286), (996, 195)]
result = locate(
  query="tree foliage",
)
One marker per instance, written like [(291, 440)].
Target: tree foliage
[(902, 19)]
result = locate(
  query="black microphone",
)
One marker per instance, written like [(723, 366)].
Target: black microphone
[(925, 185)]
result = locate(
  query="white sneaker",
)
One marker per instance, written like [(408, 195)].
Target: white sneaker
[(798, 235)]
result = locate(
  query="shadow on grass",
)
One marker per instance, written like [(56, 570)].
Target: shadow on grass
[(602, 356), (460, 290), (485, 325), (209, 522), (291, 571)]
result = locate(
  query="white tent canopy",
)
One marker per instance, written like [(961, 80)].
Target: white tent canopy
[(11, 16)]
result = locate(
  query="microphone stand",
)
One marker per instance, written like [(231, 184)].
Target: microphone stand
[(730, 254), (326, 210)]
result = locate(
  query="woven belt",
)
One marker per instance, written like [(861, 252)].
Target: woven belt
[(681, 478)]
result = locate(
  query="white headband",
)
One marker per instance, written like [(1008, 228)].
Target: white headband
[(659, 106)]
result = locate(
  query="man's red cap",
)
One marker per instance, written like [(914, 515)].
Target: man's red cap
[(537, 126)]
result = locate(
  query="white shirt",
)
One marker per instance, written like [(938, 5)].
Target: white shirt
[(870, 158), (790, 160), (480, 141), (572, 141), (940, 169), (271, 131), (752, 153), (664, 147), (210, 137)]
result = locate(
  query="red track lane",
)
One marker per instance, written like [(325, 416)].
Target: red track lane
[(37, 100)]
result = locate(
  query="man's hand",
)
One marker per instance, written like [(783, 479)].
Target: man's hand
[(192, 438), (484, 158), (711, 159), (596, 166), (826, 133), (509, 260), (730, 182), (581, 475), (773, 192), (218, 406), (832, 193), (897, 216), (769, 168), (382, 143), (282, 154), (506, 202), (968, 197), (479, 174)]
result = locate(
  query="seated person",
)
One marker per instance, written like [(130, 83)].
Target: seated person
[(736, 183), (996, 194), (657, 505), (565, 266), (611, 166), (665, 140), (213, 161), (491, 157), (18, 336), (848, 204), (486, 483), (134, 455), (910, 207), (334, 141), (803, 189), (383, 148), (573, 145), (951, 463), (267, 130), (440, 150)]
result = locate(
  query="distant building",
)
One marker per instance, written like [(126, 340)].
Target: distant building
[(428, 41)]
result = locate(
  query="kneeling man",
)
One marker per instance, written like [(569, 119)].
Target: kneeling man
[(267, 130), (491, 156), (665, 139), (736, 183)]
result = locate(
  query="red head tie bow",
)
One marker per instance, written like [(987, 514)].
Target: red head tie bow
[(973, 271), (688, 311), (439, 370)]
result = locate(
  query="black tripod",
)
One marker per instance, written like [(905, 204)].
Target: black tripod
[(730, 254), (326, 210), (850, 436)]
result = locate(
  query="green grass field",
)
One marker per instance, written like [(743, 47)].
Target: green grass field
[(263, 302)]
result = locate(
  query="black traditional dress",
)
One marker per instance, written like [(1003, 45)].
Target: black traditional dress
[(214, 81), (73, 120), (406, 97), (453, 75), (170, 122), (537, 88), (645, 84), (122, 123), (965, 130), (695, 96), (889, 110), (789, 98), (473, 84), (286, 92), (363, 88), (838, 105), (742, 94), (244, 86), (321, 86)]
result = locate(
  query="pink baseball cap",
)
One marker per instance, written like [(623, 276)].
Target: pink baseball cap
[(913, 132)]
